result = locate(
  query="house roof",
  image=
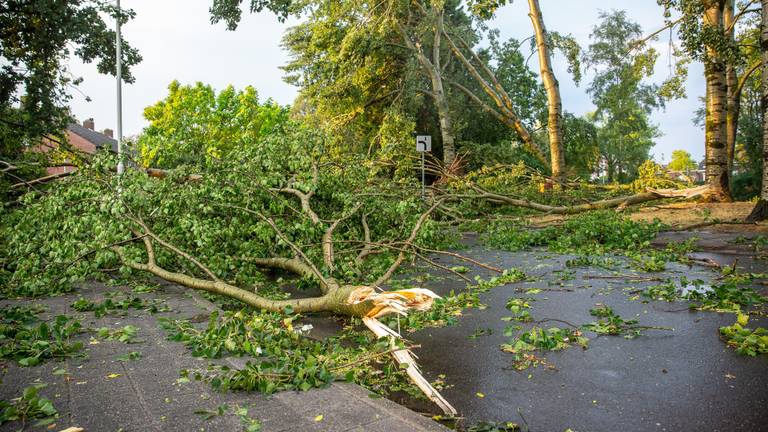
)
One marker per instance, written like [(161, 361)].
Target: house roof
[(98, 139)]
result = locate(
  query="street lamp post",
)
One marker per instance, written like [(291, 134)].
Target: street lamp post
[(119, 76)]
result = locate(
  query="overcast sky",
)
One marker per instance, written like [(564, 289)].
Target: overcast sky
[(177, 41)]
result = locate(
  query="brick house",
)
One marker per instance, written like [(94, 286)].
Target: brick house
[(83, 137)]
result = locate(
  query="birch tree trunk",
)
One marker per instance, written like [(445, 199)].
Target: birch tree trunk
[(760, 212), (505, 110), (716, 141), (734, 98), (551, 86)]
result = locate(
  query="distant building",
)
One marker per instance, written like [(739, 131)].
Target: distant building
[(82, 137), (697, 175)]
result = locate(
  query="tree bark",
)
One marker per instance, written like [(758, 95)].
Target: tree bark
[(432, 68), (716, 142), (734, 94), (760, 212), (551, 86), (506, 112)]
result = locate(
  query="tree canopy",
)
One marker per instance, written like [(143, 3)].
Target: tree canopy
[(38, 37)]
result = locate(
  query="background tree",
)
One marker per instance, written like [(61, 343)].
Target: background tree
[(366, 68), (38, 37), (194, 124), (624, 101), (760, 212), (545, 43), (682, 161), (711, 31), (582, 148)]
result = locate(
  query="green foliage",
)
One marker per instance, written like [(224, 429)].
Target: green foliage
[(595, 232), (112, 305), (624, 102), (29, 406), (731, 295), (682, 161), (280, 358), (126, 334), (30, 342), (540, 339), (652, 175), (746, 341), (131, 356), (194, 124), (609, 323), (582, 148), (520, 309)]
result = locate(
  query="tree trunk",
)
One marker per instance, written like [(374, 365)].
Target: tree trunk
[(718, 178), (446, 124), (620, 202), (554, 104), (734, 98), (432, 68), (760, 212), (506, 112)]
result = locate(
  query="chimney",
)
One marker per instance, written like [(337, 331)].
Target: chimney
[(88, 123), (108, 132)]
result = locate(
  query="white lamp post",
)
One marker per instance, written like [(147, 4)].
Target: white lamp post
[(119, 76)]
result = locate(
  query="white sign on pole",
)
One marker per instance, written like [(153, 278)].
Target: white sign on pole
[(423, 143)]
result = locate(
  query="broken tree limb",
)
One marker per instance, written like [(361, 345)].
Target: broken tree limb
[(649, 195), (400, 302), (408, 242), (404, 357)]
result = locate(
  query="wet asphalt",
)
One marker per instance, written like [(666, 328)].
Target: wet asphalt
[(681, 380)]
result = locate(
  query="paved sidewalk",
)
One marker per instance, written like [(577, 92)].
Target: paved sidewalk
[(103, 394)]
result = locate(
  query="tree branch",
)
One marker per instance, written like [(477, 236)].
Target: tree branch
[(408, 242)]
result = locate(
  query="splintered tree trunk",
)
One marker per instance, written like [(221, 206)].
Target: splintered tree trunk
[(760, 212), (551, 86), (718, 178)]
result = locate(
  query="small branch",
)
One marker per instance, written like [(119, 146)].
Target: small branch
[(409, 242), (635, 44), (366, 239), (328, 237), (304, 199), (42, 179), (461, 257), (173, 248)]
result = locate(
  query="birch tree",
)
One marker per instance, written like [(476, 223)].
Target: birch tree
[(760, 211)]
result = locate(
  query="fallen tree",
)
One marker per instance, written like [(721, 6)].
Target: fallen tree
[(618, 202), (281, 207)]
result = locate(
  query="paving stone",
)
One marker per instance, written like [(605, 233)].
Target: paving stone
[(145, 395)]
